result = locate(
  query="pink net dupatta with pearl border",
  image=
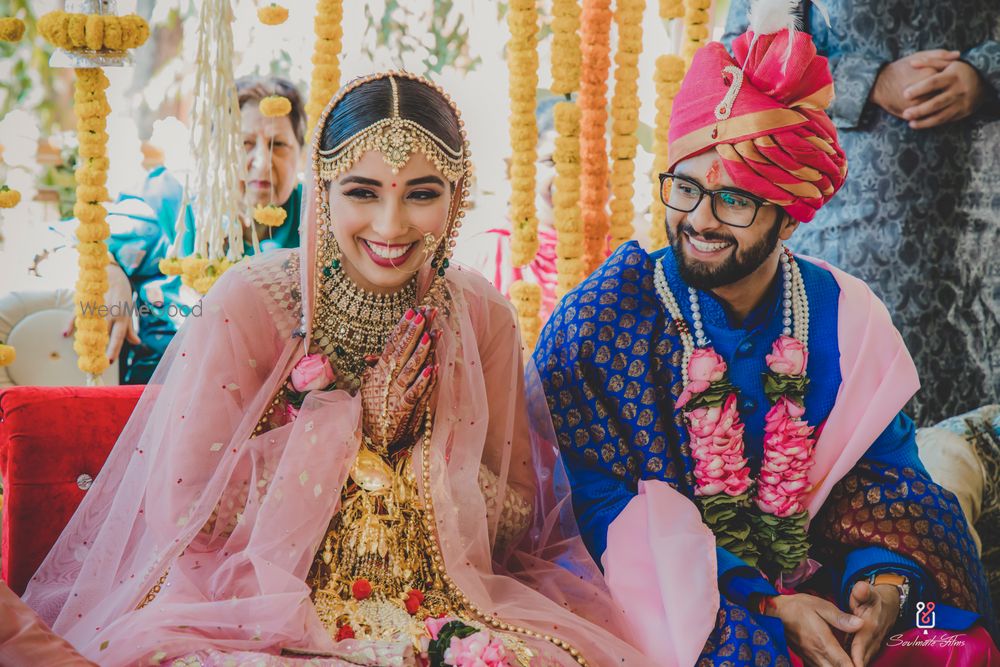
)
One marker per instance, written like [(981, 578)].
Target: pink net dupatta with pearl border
[(235, 521)]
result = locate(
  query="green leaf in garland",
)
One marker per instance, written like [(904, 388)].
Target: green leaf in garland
[(714, 396), (792, 387), (729, 519), (783, 541)]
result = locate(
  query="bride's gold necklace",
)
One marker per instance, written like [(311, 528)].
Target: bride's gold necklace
[(352, 323)]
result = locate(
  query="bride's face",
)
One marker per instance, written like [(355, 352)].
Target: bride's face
[(380, 219)]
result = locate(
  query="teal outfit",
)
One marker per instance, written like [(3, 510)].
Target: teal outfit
[(142, 230)]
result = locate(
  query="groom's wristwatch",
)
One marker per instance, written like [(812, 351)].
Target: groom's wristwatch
[(901, 583)]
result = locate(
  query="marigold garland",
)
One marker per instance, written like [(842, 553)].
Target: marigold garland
[(270, 215), (326, 53), (527, 300), (11, 29), (273, 14), (565, 46), (668, 75), (695, 27), (671, 9), (274, 106), (595, 36), (94, 32), (522, 60), (625, 117), (9, 198), (566, 198), (92, 109)]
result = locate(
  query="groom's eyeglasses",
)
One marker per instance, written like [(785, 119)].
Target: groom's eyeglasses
[(730, 207)]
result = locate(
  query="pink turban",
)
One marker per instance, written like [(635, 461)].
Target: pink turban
[(766, 119)]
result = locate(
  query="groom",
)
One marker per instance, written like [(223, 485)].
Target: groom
[(764, 389)]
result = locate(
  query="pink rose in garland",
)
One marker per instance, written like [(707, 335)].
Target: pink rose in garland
[(312, 372), (715, 432), (788, 357), (788, 455), (717, 448)]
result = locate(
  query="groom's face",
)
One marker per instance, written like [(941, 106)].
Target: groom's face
[(711, 254)]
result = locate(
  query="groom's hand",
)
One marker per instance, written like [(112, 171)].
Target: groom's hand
[(809, 623), (878, 607)]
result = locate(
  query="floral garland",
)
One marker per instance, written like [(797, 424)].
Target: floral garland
[(671, 9), (668, 76), (522, 61), (566, 198), (625, 117), (527, 300), (7, 354), (94, 32), (92, 111), (695, 27), (11, 29), (768, 529), (326, 54), (595, 39), (273, 14), (566, 59)]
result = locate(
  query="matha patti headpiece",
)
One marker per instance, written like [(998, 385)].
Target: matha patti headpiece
[(397, 139)]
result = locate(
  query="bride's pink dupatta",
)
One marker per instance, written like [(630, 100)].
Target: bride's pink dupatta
[(234, 521)]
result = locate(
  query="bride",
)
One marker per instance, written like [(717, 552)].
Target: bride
[(334, 464)]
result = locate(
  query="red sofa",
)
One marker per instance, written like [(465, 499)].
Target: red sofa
[(53, 442)]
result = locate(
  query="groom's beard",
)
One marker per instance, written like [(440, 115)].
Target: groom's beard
[(738, 265)]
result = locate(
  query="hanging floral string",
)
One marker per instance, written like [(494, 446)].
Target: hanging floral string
[(668, 75), (565, 46), (625, 118), (695, 27), (671, 9), (215, 143), (272, 106), (96, 38), (326, 53), (595, 36), (11, 29), (522, 63), (9, 198), (566, 198), (94, 32)]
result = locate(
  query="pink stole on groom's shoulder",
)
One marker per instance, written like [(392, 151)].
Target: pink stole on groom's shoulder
[(660, 561)]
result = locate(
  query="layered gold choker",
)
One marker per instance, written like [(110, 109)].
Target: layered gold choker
[(352, 323)]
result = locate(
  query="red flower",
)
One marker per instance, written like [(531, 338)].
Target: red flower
[(345, 632), (361, 589), (414, 599)]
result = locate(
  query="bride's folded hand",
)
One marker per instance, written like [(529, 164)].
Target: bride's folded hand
[(395, 389)]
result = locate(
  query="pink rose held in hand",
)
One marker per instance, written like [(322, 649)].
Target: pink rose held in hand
[(312, 372), (788, 356)]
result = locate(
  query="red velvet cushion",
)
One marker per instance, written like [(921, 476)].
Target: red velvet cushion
[(49, 436)]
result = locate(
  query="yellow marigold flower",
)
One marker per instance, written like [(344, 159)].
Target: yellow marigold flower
[(204, 283), (91, 232), (91, 262), (171, 266), (11, 30), (7, 352), (92, 194), (274, 106), (89, 213), (194, 265), (270, 215), (94, 363), (9, 198), (272, 14)]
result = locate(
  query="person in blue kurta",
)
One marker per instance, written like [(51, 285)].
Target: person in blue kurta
[(143, 227), (765, 389)]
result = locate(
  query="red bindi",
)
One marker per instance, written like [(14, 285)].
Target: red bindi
[(713, 175), (393, 185)]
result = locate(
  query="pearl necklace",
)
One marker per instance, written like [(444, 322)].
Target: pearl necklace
[(794, 308)]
